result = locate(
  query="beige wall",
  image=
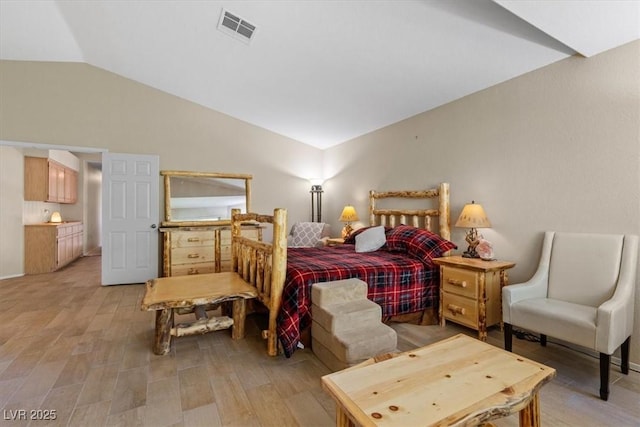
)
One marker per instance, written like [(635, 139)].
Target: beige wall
[(11, 200), (79, 105), (555, 149)]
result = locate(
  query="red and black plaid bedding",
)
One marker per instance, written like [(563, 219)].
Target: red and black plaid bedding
[(398, 282)]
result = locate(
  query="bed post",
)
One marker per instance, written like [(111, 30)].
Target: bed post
[(444, 218), (372, 208), (235, 231), (279, 263)]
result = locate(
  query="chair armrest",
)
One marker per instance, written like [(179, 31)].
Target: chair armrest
[(614, 321), (536, 287)]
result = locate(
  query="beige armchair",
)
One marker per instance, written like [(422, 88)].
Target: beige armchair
[(582, 293)]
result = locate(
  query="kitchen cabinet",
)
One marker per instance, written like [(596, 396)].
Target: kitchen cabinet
[(46, 180), (50, 246)]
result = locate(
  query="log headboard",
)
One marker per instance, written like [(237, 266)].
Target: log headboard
[(416, 217)]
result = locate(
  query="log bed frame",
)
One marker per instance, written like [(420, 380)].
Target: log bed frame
[(263, 265)]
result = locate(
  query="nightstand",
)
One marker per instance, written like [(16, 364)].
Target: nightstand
[(471, 291), (335, 241)]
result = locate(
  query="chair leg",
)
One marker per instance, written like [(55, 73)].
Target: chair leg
[(543, 340), (624, 356), (508, 336), (605, 360)]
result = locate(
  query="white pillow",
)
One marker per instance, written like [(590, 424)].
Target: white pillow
[(306, 234), (371, 239)]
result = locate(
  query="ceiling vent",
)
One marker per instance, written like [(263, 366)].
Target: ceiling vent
[(236, 27)]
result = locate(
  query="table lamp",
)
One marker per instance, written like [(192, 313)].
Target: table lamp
[(348, 216), (55, 217), (472, 217)]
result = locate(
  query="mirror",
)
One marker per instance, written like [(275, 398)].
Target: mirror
[(204, 198)]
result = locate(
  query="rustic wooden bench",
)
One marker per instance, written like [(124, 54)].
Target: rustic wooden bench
[(167, 294)]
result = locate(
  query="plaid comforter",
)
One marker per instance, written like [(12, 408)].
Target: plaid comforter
[(398, 282)]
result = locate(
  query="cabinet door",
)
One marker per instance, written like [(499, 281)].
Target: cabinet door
[(54, 171), (70, 186), (77, 244), (61, 252), (60, 182)]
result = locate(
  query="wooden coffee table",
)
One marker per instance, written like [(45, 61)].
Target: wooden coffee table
[(167, 294), (457, 381)]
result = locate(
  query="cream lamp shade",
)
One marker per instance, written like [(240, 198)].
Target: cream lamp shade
[(472, 217), (348, 216), (55, 217)]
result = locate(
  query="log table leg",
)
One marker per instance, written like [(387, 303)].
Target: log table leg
[(164, 323), (342, 418), (239, 315), (530, 414)]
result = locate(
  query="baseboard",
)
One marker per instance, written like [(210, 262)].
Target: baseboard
[(614, 359), (12, 276)]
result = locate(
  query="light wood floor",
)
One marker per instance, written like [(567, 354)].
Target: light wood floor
[(84, 351)]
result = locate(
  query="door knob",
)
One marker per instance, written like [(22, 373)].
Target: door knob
[(153, 226)]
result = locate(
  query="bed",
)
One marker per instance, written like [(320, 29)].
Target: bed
[(400, 277)]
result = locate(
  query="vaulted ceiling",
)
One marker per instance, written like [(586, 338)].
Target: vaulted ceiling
[(320, 72)]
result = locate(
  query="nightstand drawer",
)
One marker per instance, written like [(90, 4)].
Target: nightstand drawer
[(460, 282), (460, 310)]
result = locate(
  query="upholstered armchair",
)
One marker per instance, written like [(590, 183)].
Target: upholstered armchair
[(582, 293)]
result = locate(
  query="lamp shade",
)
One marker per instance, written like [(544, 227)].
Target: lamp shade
[(473, 216), (55, 217), (349, 214)]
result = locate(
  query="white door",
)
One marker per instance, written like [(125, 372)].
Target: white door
[(130, 214)]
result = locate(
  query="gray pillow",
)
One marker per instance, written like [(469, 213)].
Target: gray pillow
[(371, 239)]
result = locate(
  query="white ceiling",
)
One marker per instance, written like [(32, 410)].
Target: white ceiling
[(320, 72)]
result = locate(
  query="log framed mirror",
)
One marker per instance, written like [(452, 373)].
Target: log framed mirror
[(204, 198)]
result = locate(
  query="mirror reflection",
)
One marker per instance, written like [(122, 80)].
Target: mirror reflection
[(202, 197)]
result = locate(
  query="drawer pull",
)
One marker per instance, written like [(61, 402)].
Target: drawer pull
[(193, 271), (455, 309), (193, 239), (193, 256), (454, 282)]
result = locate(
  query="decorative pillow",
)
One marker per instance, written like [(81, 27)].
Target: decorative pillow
[(351, 238), (306, 234), (371, 239), (421, 243)]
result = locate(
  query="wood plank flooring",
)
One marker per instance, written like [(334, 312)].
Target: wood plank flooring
[(71, 346)]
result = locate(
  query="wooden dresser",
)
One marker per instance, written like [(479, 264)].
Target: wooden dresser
[(199, 249), (50, 246), (471, 291)]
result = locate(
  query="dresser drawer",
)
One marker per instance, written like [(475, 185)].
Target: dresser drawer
[(188, 239), (459, 281), (190, 269), (460, 310), (192, 255)]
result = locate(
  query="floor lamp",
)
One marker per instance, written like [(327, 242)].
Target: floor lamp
[(316, 203)]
